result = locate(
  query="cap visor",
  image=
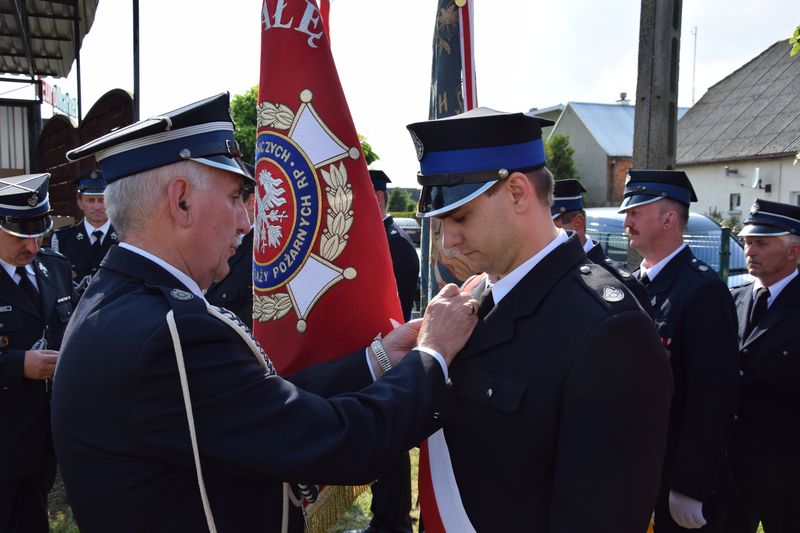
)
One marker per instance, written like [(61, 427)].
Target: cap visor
[(438, 201), (27, 228), (636, 200), (225, 163), (759, 230)]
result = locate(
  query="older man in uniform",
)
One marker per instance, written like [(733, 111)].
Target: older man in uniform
[(697, 323), (86, 243), (168, 415), (551, 425), (765, 452), (36, 301), (568, 213)]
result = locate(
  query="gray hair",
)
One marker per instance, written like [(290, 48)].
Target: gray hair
[(130, 201)]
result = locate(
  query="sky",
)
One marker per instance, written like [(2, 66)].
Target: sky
[(528, 54)]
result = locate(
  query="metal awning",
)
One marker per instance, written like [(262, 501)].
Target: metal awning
[(37, 37)]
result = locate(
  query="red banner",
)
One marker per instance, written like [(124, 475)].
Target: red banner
[(322, 273)]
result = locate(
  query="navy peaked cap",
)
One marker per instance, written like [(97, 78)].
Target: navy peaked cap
[(647, 186), (567, 196), (379, 179), (92, 183), (25, 205), (771, 219), (462, 156), (200, 132)]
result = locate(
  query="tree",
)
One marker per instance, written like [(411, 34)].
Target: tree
[(243, 112), (794, 40), (369, 153), (559, 157), (398, 200)]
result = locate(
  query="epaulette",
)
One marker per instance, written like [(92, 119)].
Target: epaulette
[(607, 289), (702, 268), (618, 267), (52, 253)]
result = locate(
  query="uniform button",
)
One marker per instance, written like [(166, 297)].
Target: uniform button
[(449, 383), (735, 418), (436, 415), (224, 294), (585, 269), (745, 351), (489, 393), (741, 372), (785, 352)]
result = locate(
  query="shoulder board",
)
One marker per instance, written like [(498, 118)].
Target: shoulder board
[(52, 253), (605, 287), (702, 268)]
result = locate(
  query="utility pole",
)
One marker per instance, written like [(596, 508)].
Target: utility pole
[(655, 126)]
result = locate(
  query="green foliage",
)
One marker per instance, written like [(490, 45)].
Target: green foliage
[(559, 157), (794, 40), (733, 222), (398, 200), (412, 213), (243, 112), (369, 154)]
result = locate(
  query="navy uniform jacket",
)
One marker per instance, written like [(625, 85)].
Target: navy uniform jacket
[(405, 263), (73, 242), (120, 430), (24, 403), (235, 292), (697, 323), (767, 430), (557, 416), (597, 256)]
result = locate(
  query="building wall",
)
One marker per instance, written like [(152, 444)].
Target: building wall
[(617, 173), (714, 189), (589, 157)]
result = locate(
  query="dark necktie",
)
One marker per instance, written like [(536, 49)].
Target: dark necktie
[(644, 279), (486, 302), (759, 308), (98, 234), (28, 288)]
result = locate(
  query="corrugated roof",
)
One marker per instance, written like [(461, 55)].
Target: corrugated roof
[(754, 112), (37, 36), (611, 125)]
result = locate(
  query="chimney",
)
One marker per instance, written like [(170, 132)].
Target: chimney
[(623, 99)]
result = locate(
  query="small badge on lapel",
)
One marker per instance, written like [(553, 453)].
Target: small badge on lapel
[(3, 341), (79, 236), (612, 294), (181, 295), (43, 270), (113, 236)]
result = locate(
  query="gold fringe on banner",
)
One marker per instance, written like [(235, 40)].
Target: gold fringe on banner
[(331, 504)]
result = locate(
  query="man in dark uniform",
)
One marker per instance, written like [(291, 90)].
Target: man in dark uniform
[(568, 213), (86, 243), (765, 452), (551, 425), (405, 260), (235, 291), (391, 494), (697, 323), (36, 301), (168, 415)]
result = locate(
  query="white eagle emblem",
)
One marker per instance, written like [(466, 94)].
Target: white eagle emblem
[(267, 234)]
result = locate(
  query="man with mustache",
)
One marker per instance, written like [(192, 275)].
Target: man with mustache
[(168, 414), (697, 323), (36, 301), (765, 451)]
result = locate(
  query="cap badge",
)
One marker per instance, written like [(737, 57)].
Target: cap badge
[(183, 296), (33, 200), (612, 294), (754, 209), (418, 146)]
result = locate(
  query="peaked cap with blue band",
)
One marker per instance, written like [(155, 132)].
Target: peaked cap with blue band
[(25, 205), (462, 156), (567, 197), (92, 184), (200, 132), (771, 219), (648, 186)]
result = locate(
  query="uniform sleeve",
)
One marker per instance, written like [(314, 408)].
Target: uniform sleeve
[(12, 369), (266, 427), (614, 416), (711, 374)]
